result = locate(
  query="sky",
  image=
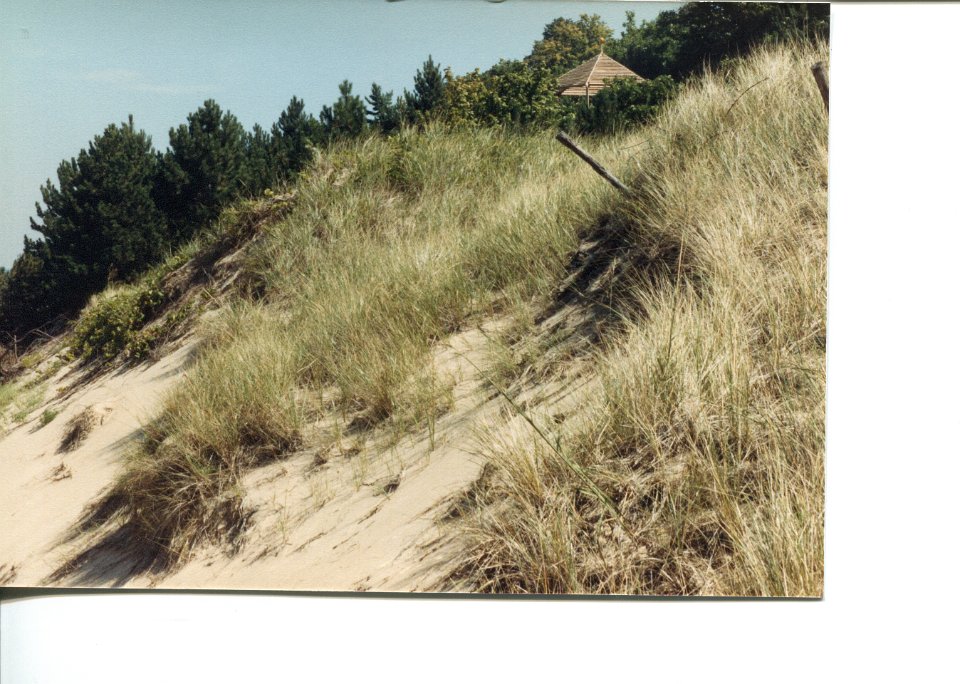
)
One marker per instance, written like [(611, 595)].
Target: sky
[(69, 69)]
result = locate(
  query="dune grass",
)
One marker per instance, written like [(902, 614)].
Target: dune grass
[(699, 466), (77, 429), (8, 393), (25, 399), (393, 243)]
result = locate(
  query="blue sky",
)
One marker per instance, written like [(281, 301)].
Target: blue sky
[(68, 69)]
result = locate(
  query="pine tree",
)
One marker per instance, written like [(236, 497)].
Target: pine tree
[(99, 221), (347, 118), (30, 296), (428, 86), (102, 218), (204, 169), (382, 112), (261, 168), (294, 134)]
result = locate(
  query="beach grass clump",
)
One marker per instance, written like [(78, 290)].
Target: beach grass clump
[(390, 245), (699, 466), (236, 409), (77, 429)]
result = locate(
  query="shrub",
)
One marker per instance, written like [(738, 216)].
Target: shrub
[(111, 325), (624, 103), (114, 323)]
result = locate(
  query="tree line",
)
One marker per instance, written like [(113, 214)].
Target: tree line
[(120, 205)]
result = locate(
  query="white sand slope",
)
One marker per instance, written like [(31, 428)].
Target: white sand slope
[(43, 490), (365, 513), (367, 518)]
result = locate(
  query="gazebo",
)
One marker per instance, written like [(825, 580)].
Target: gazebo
[(591, 77)]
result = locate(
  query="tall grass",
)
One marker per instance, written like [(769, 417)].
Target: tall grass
[(8, 392), (707, 431), (19, 399), (698, 467), (393, 243), (236, 409)]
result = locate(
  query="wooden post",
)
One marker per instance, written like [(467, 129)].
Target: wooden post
[(820, 76), (594, 164)]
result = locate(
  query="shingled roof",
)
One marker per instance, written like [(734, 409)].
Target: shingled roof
[(591, 76)]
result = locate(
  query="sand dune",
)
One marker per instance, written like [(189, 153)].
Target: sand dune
[(364, 514), (45, 488)]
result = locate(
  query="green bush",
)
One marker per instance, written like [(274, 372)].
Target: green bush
[(113, 323), (624, 103), (510, 94)]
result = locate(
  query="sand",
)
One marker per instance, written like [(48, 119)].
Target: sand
[(367, 512), (43, 490), (363, 512)]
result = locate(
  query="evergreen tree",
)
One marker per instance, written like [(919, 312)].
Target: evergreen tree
[(102, 218), (427, 95), (204, 169), (347, 118), (30, 297), (294, 134), (382, 112), (261, 167), (98, 222)]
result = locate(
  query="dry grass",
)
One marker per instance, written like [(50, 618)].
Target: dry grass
[(392, 244), (236, 409), (77, 429), (700, 467), (61, 472)]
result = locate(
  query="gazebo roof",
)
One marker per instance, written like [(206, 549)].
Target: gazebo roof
[(592, 75)]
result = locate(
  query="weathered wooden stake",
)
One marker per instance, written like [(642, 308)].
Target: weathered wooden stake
[(594, 164), (820, 76)]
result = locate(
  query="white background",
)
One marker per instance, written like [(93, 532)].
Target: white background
[(889, 611)]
